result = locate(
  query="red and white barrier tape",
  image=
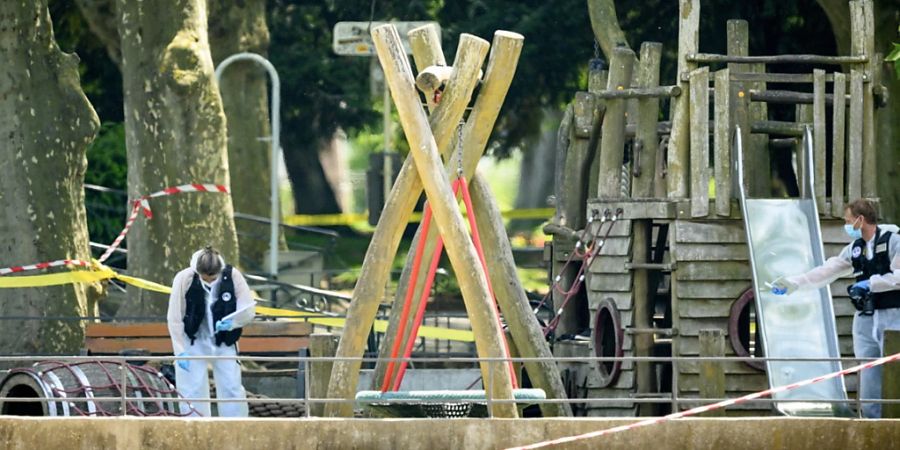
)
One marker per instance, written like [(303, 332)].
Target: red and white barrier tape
[(57, 263), (141, 204), (706, 408)]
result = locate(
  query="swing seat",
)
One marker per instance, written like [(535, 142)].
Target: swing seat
[(438, 404)]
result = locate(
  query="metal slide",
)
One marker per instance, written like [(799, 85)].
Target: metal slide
[(784, 238)]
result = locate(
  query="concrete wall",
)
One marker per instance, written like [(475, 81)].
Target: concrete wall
[(220, 434)]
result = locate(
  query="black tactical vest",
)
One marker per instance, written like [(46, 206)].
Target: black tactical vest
[(225, 304), (880, 264)]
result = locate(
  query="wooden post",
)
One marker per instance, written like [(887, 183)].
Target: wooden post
[(646, 137), (612, 140), (756, 150), (399, 207), (643, 312), (855, 137), (679, 142), (712, 375), (426, 47), (699, 114), (523, 325), (862, 43), (320, 346), (803, 115), (597, 81), (837, 147), (722, 143), (585, 122), (447, 216), (819, 137), (890, 377)]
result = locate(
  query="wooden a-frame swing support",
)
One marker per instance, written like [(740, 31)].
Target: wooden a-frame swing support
[(430, 139)]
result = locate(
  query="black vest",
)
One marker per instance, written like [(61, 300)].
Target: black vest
[(225, 304), (880, 264)]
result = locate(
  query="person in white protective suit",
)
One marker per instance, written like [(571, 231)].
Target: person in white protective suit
[(873, 258), (209, 305)]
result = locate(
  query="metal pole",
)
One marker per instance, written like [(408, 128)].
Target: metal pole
[(275, 114)]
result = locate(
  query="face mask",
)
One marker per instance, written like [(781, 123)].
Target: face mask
[(854, 233)]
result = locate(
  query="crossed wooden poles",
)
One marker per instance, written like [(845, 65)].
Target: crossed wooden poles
[(431, 138)]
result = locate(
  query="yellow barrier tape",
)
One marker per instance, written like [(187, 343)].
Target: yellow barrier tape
[(350, 219), (101, 272)]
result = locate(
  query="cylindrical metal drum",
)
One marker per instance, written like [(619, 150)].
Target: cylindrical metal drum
[(71, 390)]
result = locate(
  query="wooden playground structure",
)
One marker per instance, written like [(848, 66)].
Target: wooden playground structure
[(673, 276), (670, 275)]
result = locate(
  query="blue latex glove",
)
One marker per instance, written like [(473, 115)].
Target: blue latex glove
[(864, 284), (224, 325), (782, 286), (183, 363)]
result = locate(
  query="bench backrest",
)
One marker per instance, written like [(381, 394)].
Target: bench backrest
[(258, 338)]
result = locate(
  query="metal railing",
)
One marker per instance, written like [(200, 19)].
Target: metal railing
[(304, 365)]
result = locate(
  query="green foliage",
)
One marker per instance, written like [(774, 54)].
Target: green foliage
[(894, 57), (107, 167)]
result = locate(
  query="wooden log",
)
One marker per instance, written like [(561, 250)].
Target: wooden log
[(781, 78), (612, 141), (597, 81), (447, 216), (523, 325), (740, 104), (708, 58), (426, 46), (758, 146), (890, 378), (563, 139), (320, 346), (647, 139), (699, 114), (803, 116), (837, 146), (787, 97), (431, 78), (722, 143), (395, 216), (642, 92), (712, 343), (679, 151), (855, 137), (644, 302), (780, 128), (819, 136), (423, 41), (737, 43), (586, 121), (862, 45)]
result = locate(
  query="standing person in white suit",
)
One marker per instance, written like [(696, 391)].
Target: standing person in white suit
[(209, 305), (873, 258)]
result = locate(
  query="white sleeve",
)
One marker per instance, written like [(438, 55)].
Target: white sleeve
[(244, 298), (834, 268), (891, 280), (175, 315)]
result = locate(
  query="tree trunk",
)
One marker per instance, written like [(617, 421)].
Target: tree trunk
[(101, 19), (237, 26), (312, 192), (536, 174), (175, 133), (46, 127)]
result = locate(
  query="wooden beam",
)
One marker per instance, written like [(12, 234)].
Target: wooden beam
[(319, 372), (819, 136), (722, 155), (425, 42), (890, 378), (803, 116), (679, 142), (647, 140), (373, 277), (447, 216), (855, 137), (708, 58), (612, 141), (642, 92), (838, 149), (712, 343), (644, 302), (862, 45), (699, 114)]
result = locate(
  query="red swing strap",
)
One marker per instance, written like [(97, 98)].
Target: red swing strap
[(393, 382)]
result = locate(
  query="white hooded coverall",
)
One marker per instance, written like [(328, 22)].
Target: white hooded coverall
[(194, 382)]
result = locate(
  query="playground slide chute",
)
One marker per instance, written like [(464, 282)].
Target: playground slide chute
[(784, 238)]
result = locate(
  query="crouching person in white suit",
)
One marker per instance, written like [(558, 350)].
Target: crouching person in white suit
[(209, 305)]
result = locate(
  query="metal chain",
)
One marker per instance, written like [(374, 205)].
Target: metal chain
[(459, 150)]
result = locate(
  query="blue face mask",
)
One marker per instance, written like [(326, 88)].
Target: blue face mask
[(854, 233)]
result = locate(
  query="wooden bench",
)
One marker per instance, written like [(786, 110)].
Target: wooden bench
[(259, 338)]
